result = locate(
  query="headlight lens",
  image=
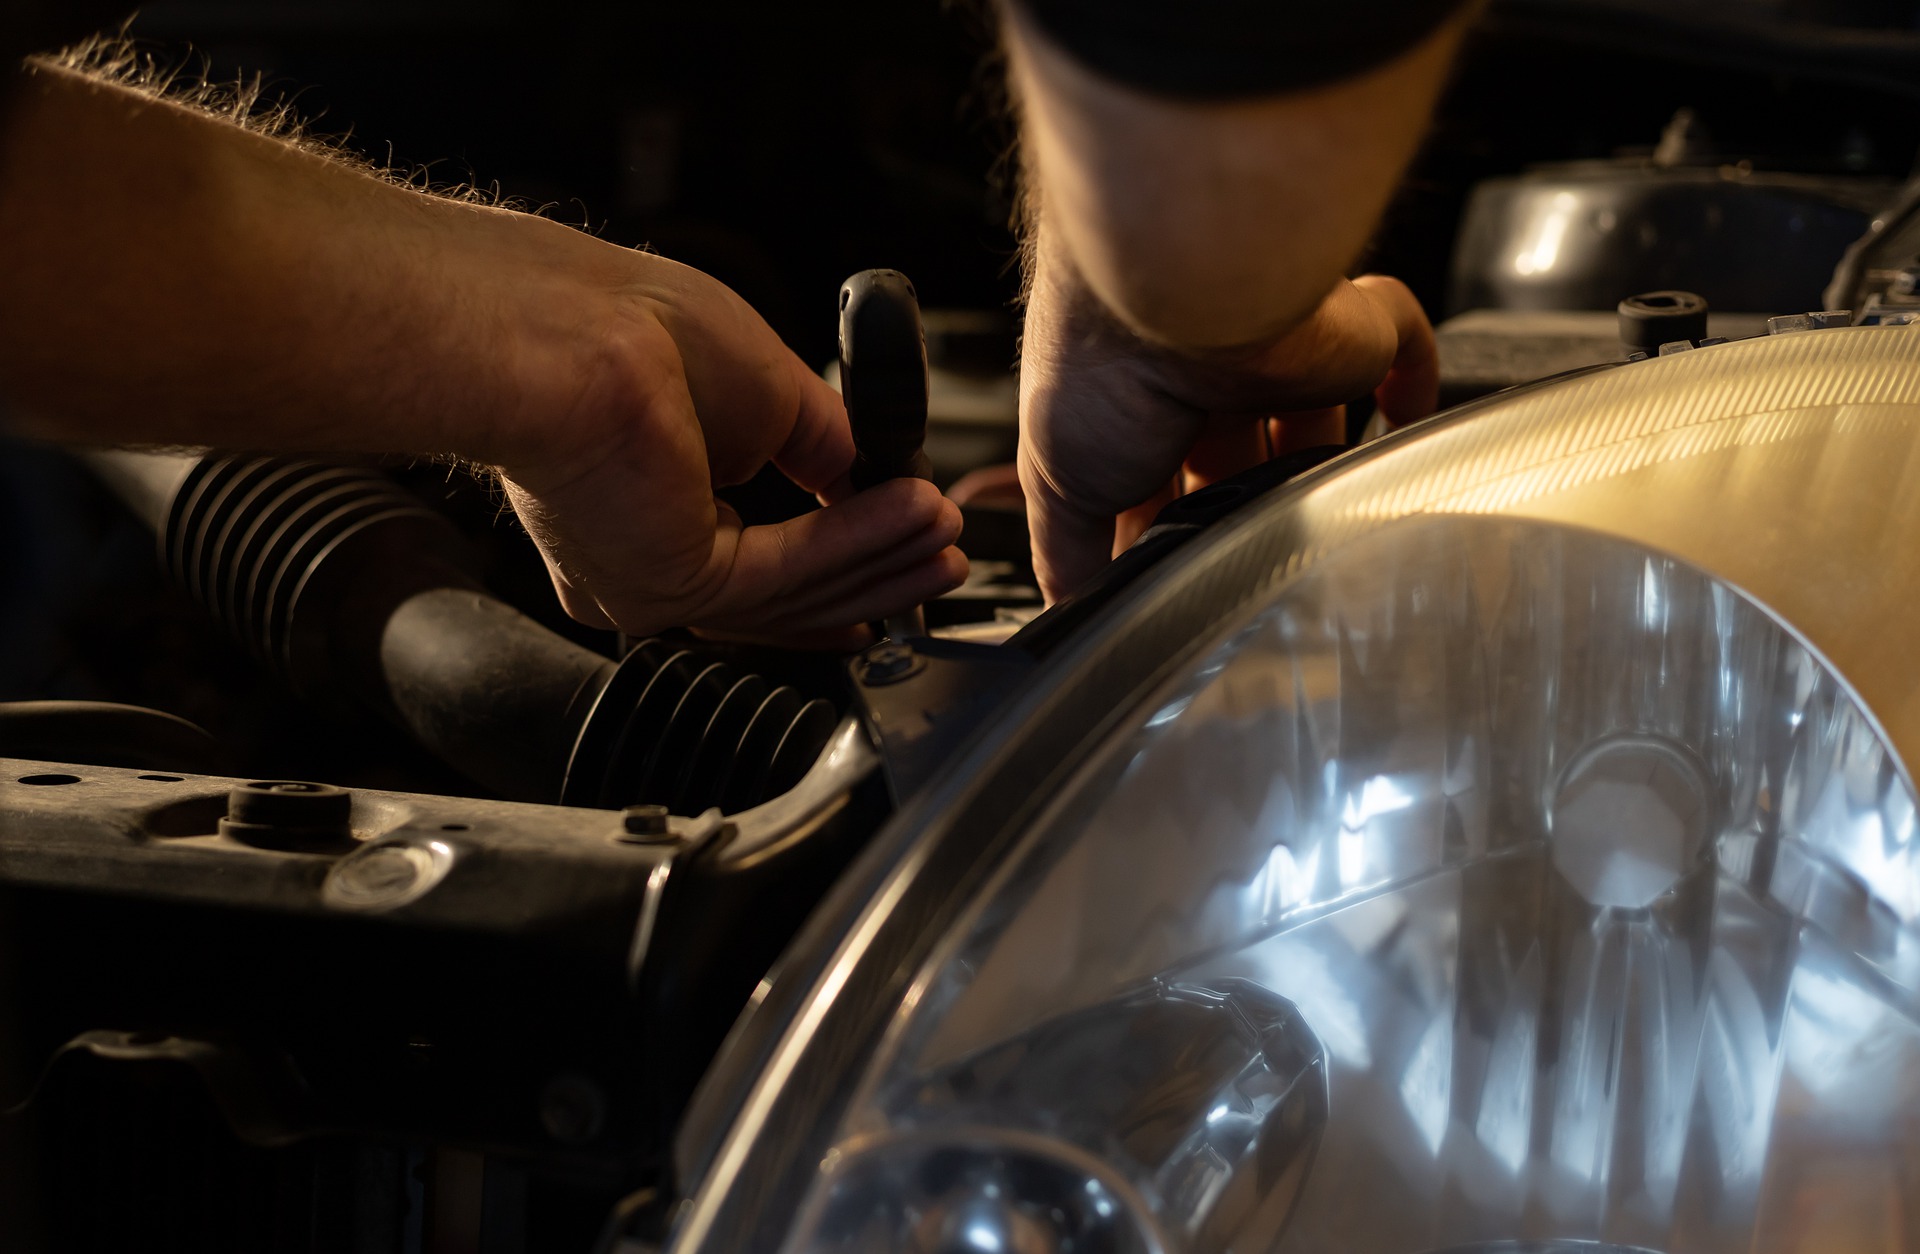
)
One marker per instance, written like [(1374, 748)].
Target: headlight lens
[(1521, 852), (1541, 883)]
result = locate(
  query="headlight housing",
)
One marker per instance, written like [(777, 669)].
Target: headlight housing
[(1501, 834)]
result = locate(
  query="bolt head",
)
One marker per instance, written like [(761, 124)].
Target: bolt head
[(290, 815), (887, 662), (289, 803)]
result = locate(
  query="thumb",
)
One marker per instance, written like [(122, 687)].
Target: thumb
[(1071, 543), (1411, 389)]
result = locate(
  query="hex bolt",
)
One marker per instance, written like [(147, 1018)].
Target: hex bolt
[(645, 825), (1652, 319), (289, 803), (291, 815)]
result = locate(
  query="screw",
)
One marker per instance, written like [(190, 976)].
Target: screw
[(888, 663), (645, 825)]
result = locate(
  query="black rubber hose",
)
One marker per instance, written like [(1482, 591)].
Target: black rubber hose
[(102, 733), (488, 688), (349, 587), (358, 594)]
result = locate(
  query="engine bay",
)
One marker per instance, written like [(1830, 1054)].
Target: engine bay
[(352, 897)]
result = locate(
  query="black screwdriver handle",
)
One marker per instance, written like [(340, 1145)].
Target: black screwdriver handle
[(883, 377)]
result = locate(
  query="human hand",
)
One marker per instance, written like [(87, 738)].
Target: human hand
[(336, 310), (689, 390), (1111, 427)]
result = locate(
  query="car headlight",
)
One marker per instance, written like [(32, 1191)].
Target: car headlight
[(1501, 834)]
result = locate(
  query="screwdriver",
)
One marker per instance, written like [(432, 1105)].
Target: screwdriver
[(883, 379)]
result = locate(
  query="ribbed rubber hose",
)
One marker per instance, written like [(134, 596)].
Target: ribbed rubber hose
[(343, 583)]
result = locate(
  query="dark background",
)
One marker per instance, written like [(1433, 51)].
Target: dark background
[(777, 146), (783, 146)]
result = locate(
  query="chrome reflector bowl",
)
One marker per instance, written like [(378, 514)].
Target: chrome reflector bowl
[(1584, 890)]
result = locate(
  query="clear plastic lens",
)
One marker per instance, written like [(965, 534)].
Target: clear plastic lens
[(1498, 882)]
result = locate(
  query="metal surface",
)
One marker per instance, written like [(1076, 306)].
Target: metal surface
[(518, 939), (1700, 1038), (415, 978), (161, 836), (923, 699), (1485, 350), (1586, 235)]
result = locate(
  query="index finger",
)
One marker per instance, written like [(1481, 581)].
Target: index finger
[(818, 452)]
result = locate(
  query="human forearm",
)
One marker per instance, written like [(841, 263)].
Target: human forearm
[(171, 276), (1214, 225)]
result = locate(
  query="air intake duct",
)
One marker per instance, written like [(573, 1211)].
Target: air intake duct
[(345, 585)]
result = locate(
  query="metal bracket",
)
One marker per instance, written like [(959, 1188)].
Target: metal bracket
[(922, 696)]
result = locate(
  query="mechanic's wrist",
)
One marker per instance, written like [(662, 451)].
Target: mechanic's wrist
[(585, 367), (524, 333), (1342, 349), (495, 336), (1070, 327), (1092, 327)]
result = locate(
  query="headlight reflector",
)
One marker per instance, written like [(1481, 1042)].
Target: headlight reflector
[(1496, 842)]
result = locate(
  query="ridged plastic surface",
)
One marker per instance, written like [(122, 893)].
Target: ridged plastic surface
[(675, 729), (246, 534)]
